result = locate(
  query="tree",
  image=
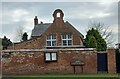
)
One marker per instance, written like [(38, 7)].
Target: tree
[(92, 42), (101, 45), (19, 34), (24, 37), (94, 39), (104, 31), (6, 42)]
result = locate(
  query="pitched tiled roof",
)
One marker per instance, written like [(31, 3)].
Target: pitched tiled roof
[(40, 28)]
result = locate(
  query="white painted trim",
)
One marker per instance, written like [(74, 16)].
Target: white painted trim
[(40, 50), (80, 46)]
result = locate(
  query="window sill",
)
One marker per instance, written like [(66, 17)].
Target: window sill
[(48, 61), (65, 46)]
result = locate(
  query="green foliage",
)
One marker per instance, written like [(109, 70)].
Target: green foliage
[(92, 42), (104, 31), (102, 46), (94, 39), (6, 42)]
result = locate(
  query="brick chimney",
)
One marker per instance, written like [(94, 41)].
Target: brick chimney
[(35, 20)]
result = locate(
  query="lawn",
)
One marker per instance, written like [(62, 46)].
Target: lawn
[(83, 76)]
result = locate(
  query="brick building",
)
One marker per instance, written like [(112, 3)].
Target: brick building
[(56, 34), (54, 48)]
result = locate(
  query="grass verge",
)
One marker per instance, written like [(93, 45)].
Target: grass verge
[(83, 76)]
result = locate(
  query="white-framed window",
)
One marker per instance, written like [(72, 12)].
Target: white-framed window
[(67, 40), (50, 56), (51, 40)]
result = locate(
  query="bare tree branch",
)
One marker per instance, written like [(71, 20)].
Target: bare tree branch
[(19, 34), (104, 31), (107, 35)]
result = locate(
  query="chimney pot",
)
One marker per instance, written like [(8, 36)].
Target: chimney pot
[(41, 22), (35, 20)]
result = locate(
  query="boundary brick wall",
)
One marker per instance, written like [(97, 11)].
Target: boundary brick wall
[(34, 63), (111, 54)]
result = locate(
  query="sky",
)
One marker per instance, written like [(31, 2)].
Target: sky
[(79, 14)]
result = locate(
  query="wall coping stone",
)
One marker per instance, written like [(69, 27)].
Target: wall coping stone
[(38, 50)]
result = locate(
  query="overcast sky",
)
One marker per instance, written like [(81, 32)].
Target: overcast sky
[(79, 14)]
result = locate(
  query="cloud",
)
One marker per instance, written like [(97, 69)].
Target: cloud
[(114, 28), (19, 14), (92, 10), (89, 15), (60, 1), (99, 15)]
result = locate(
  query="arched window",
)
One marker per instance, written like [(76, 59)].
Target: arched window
[(58, 14)]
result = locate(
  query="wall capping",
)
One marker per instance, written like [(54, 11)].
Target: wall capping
[(37, 50)]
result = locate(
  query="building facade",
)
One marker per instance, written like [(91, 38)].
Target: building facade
[(56, 34)]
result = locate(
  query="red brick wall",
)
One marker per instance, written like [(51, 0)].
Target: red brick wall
[(111, 60), (40, 42), (34, 63)]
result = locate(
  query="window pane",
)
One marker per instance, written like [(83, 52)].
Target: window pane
[(53, 43), (48, 43), (51, 40), (53, 37), (54, 56), (64, 42), (69, 36), (47, 56), (63, 36), (48, 37), (69, 42)]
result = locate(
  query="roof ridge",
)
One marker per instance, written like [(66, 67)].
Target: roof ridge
[(75, 29), (44, 23)]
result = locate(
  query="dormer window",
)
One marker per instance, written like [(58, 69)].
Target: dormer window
[(58, 14), (67, 40), (51, 40)]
